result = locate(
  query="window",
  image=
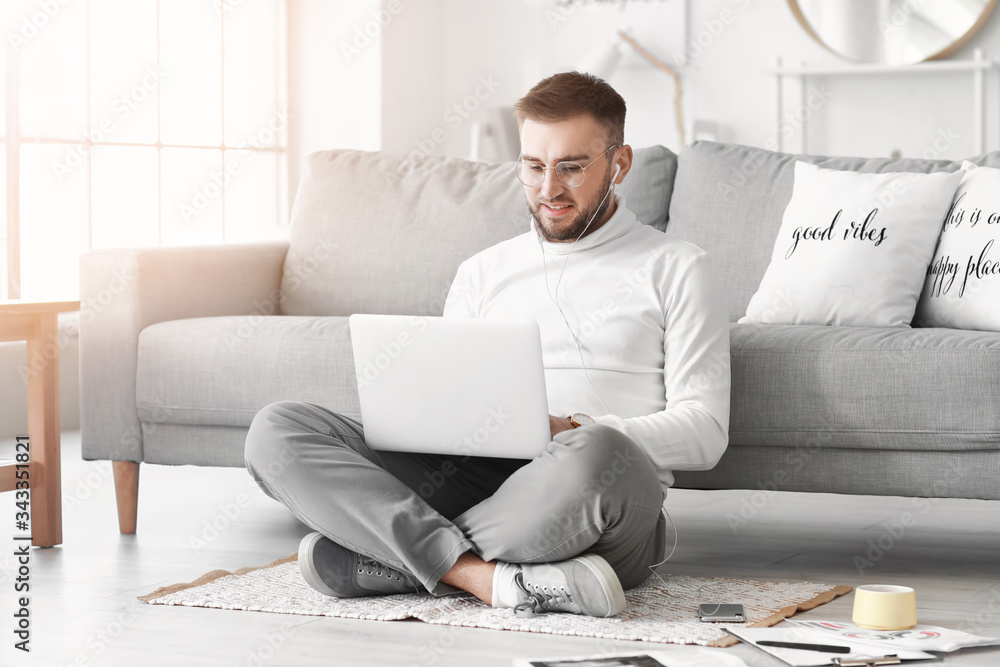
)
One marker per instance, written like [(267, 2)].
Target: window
[(137, 123)]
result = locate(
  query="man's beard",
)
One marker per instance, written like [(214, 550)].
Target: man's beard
[(579, 223)]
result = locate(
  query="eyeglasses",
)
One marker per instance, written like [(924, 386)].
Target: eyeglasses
[(570, 174)]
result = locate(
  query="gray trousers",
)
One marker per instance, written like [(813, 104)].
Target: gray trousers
[(592, 490)]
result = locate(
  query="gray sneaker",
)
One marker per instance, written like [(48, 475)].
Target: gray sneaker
[(583, 585), (334, 570)]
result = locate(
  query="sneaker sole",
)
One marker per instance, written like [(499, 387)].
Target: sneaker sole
[(307, 568), (614, 595)]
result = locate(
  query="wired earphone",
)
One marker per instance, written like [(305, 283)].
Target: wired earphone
[(579, 349), (555, 298)]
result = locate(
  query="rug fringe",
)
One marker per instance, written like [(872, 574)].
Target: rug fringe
[(211, 576)]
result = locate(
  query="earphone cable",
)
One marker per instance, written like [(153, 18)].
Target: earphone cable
[(554, 300)]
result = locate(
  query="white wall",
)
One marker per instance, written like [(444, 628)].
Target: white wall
[(413, 88), (435, 53), (450, 63), (334, 87), (436, 56)]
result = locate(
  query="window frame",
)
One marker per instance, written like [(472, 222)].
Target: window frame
[(12, 139)]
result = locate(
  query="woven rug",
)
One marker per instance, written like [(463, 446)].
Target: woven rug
[(657, 611)]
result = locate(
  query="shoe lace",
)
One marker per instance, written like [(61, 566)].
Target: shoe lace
[(539, 598), (370, 566)]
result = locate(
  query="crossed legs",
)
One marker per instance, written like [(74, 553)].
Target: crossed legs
[(447, 519)]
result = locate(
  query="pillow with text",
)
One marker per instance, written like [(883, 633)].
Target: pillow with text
[(962, 288), (853, 248)]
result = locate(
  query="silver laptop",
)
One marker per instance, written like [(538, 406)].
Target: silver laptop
[(461, 386)]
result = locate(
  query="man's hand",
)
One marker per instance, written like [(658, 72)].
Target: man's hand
[(559, 424)]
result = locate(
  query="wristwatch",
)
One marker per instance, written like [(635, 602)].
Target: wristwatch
[(578, 419)]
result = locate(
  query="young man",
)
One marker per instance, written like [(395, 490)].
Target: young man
[(646, 389)]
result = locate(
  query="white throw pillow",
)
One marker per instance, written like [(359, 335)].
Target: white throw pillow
[(853, 248), (962, 289)]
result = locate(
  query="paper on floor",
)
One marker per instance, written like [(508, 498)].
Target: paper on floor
[(919, 637), (679, 656), (802, 658)]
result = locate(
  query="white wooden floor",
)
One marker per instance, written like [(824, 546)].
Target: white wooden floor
[(193, 520)]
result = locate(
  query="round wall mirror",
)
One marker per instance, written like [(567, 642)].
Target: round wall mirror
[(893, 32)]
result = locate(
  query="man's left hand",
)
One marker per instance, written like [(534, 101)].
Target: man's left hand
[(559, 424)]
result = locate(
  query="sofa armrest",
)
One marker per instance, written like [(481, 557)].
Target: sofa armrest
[(124, 290)]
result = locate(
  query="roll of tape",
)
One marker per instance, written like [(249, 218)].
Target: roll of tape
[(885, 607)]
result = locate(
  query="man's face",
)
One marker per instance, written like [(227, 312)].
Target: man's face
[(561, 213)]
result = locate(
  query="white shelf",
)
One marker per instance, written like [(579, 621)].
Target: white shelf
[(920, 68), (978, 67)]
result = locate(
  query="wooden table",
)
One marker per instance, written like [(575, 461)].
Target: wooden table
[(36, 322)]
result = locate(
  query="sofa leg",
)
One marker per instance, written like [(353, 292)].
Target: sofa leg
[(127, 493)]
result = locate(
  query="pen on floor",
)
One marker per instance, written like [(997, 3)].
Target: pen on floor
[(825, 648)]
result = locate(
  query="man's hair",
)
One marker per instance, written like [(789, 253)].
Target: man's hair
[(568, 94)]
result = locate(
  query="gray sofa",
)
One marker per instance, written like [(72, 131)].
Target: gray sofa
[(181, 346)]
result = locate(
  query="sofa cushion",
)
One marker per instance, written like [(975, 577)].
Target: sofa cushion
[(220, 371), (373, 232), (811, 386), (921, 474), (729, 200)]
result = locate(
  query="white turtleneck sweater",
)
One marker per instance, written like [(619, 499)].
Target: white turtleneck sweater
[(650, 315)]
